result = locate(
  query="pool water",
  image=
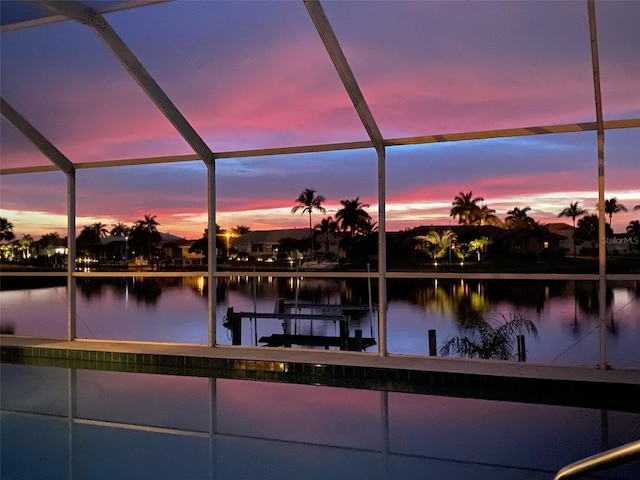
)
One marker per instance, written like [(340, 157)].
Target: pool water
[(67, 423)]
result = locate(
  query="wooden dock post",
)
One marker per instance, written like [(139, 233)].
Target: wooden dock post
[(522, 349), (357, 344), (234, 323), (433, 349)]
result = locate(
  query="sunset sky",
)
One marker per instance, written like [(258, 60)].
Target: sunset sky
[(251, 75)]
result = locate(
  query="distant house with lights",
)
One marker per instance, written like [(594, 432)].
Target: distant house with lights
[(274, 244)]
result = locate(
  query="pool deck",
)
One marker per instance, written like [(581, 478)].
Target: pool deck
[(494, 368), (605, 389)]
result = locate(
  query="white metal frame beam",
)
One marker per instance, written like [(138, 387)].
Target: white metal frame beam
[(321, 22), (106, 7), (62, 163), (34, 136), (602, 246), (334, 147), (344, 71), (90, 17), (112, 40)]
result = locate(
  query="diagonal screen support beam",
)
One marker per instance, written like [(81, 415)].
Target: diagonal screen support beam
[(34, 136), (321, 22), (63, 163), (88, 16), (340, 63)]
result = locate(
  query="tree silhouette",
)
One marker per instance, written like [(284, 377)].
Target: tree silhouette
[(612, 206), (120, 230), (100, 229), (487, 216), (352, 217), (633, 229), (326, 226), (88, 238), (519, 218), (486, 339), (145, 233), (6, 230), (241, 229), (308, 201), (466, 208), (588, 229), (574, 211)]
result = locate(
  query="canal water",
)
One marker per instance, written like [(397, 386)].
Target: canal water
[(565, 313), (70, 423)]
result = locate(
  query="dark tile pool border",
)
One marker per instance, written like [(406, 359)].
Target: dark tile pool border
[(578, 393)]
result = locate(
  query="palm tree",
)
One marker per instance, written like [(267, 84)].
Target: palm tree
[(368, 226), (120, 230), (6, 230), (88, 238), (479, 245), (487, 216), (633, 229), (440, 243), (327, 225), (241, 229), (488, 338), (145, 232), (574, 211), (518, 218), (24, 246), (352, 216), (588, 229), (466, 208), (612, 206), (308, 201), (100, 229)]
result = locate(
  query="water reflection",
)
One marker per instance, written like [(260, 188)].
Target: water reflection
[(76, 424), (174, 309)]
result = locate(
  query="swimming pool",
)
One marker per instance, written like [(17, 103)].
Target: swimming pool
[(72, 423)]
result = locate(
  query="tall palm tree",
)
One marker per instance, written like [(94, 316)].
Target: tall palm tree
[(327, 225), (352, 216), (6, 230), (574, 211), (466, 208), (308, 201), (519, 218), (612, 206)]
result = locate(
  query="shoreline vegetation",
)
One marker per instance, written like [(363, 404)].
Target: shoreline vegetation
[(481, 242), (567, 265)]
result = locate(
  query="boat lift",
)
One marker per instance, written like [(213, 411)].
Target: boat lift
[(291, 315)]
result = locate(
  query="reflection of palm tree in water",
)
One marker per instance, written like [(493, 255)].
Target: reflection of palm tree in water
[(587, 298)]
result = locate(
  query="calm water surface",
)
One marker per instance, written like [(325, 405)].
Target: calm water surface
[(175, 310), (60, 423)]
